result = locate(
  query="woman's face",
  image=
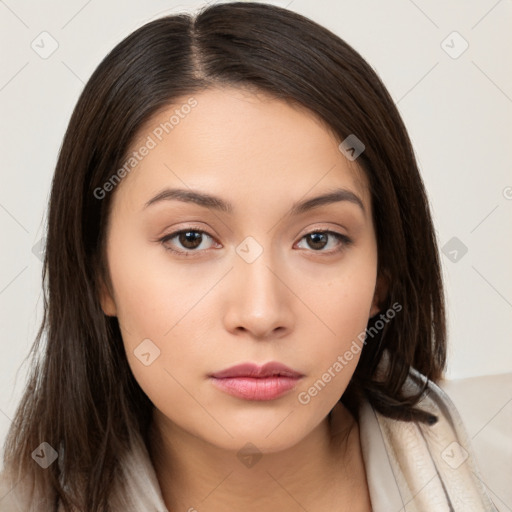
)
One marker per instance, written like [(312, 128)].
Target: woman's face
[(246, 281)]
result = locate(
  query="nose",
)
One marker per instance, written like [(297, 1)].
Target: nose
[(259, 301)]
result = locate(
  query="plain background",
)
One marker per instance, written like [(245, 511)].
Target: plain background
[(457, 108)]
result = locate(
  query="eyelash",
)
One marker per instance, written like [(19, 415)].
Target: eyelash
[(345, 241)]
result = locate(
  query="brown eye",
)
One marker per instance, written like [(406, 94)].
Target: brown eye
[(318, 240), (187, 241), (190, 239)]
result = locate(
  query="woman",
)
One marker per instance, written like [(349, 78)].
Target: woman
[(244, 301)]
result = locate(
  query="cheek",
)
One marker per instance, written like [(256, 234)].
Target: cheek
[(149, 300), (157, 308), (341, 305), (341, 296)]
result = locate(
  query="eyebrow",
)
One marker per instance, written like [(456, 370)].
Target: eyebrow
[(216, 203)]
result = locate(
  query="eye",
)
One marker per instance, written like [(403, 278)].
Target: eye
[(320, 239), (188, 241)]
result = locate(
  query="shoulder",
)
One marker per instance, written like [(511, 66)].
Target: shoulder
[(138, 489), (485, 405), (135, 490), (427, 467)]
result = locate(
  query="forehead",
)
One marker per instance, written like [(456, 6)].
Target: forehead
[(235, 137)]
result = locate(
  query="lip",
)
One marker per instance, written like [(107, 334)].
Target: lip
[(270, 369), (252, 382)]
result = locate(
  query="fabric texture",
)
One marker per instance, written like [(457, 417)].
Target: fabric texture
[(413, 467), (410, 467), (489, 426)]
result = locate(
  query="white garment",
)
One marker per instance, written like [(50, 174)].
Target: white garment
[(410, 467), (485, 405), (413, 467)]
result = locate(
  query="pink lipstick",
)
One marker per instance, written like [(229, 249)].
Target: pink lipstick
[(252, 382)]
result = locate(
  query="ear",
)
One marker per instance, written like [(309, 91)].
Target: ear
[(381, 291), (107, 302)]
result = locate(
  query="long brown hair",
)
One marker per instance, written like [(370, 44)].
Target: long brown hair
[(81, 396)]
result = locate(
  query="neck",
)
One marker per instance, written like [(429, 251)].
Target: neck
[(324, 469)]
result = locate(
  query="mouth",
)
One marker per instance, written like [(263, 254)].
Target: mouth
[(252, 382)]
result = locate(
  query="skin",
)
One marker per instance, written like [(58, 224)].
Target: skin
[(299, 303)]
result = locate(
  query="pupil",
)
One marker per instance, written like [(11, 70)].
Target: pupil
[(319, 240), (190, 239)]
